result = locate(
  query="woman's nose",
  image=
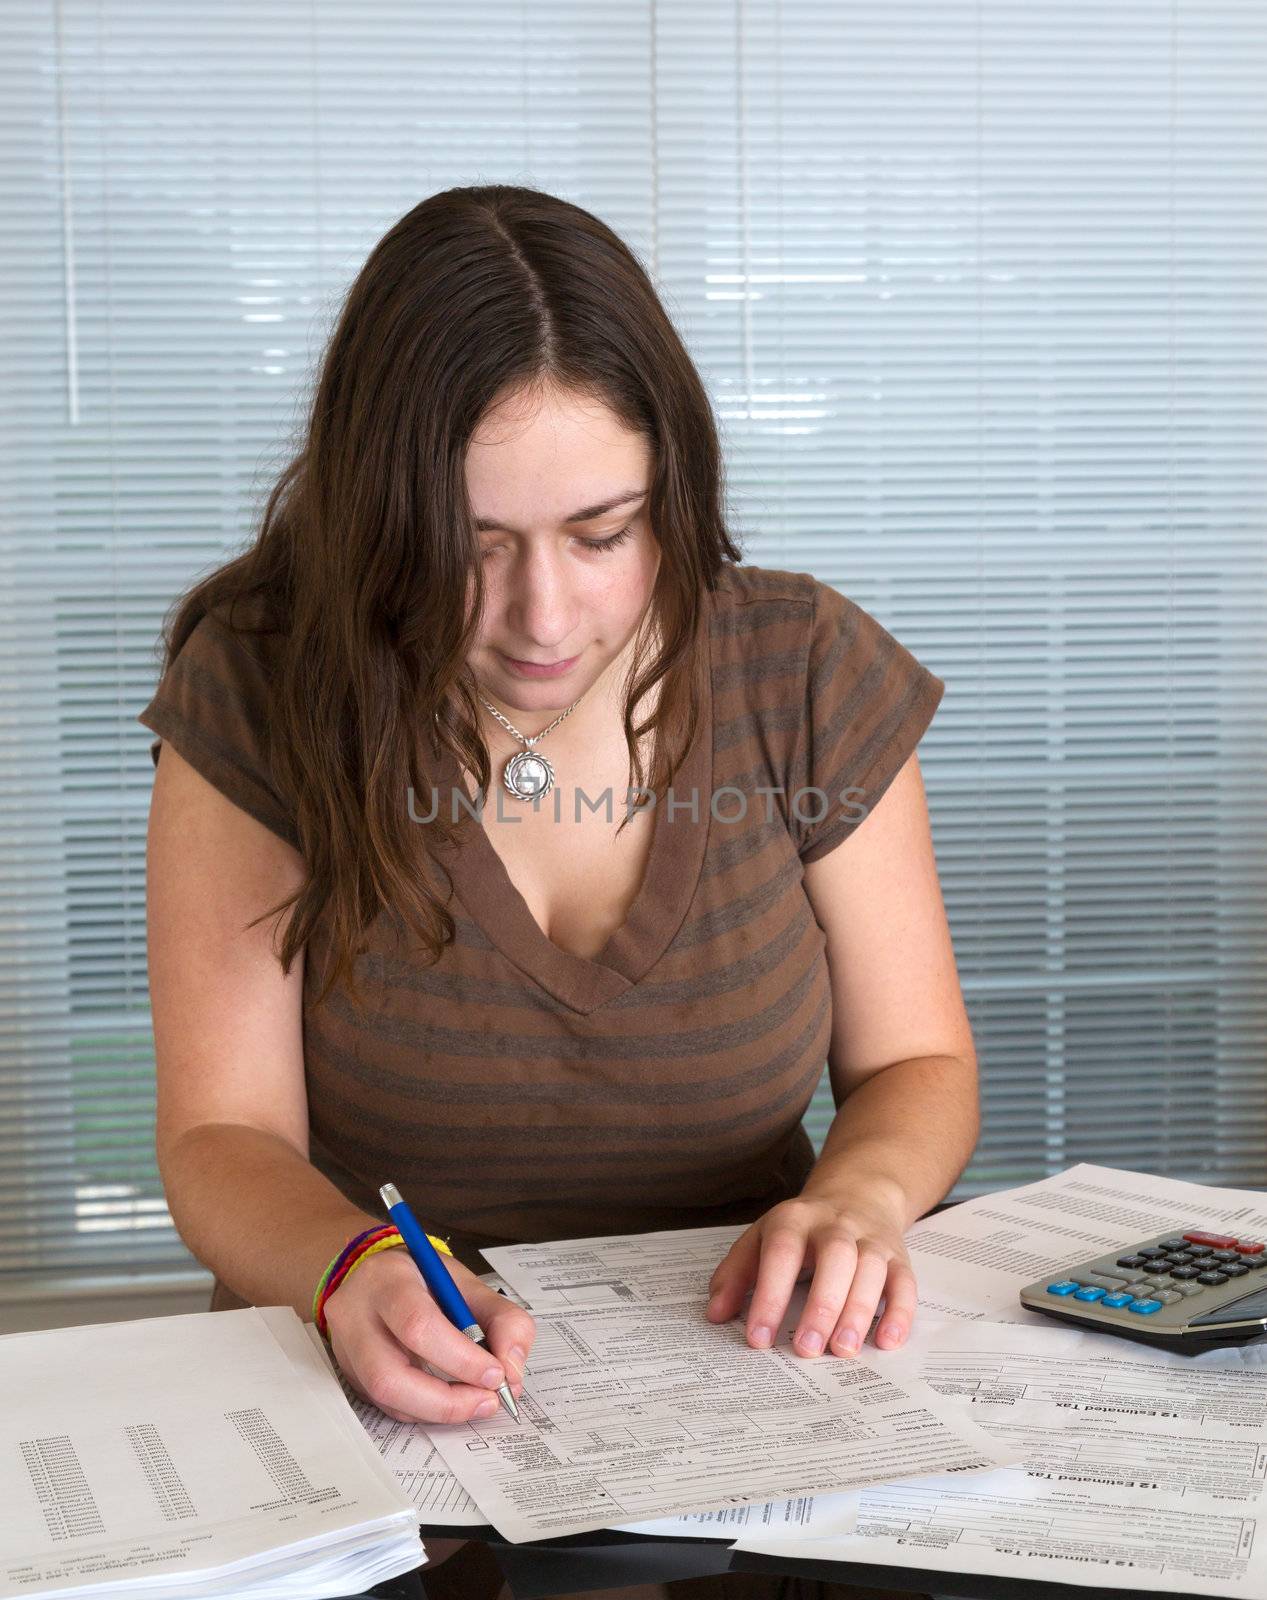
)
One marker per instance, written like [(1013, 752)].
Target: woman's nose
[(539, 600)]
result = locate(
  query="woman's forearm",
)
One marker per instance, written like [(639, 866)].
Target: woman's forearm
[(255, 1212), (909, 1129)]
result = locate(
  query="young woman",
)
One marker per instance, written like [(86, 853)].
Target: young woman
[(600, 1000)]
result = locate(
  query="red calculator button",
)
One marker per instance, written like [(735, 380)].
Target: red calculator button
[(1216, 1241), (1250, 1247)]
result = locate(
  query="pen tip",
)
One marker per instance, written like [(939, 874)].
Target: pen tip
[(390, 1195)]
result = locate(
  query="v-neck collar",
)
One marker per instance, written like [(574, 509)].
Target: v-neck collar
[(674, 862)]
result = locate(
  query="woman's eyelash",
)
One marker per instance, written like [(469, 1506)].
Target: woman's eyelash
[(612, 539), (609, 543)]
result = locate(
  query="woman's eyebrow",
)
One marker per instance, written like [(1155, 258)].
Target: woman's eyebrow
[(585, 514)]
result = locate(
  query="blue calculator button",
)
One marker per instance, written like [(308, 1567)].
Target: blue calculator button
[(1117, 1300), (1066, 1287), (1090, 1292), (1144, 1307)]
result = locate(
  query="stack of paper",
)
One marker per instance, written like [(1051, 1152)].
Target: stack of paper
[(200, 1455)]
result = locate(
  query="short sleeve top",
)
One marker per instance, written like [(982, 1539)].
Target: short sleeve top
[(515, 1091)]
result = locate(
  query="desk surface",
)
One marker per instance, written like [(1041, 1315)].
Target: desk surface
[(606, 1559)]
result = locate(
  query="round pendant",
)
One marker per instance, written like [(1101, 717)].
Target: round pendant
[(528, 775)]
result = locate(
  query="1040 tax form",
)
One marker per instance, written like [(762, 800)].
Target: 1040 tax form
[(635, 1410)]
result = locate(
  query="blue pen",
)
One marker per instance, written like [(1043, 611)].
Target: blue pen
[(444, 1291)]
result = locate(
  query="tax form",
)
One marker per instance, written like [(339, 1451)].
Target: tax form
[(635, 1411), (972, 1259), (421, 1473), (1141, 1468), (969, 1260), (614, 1268)]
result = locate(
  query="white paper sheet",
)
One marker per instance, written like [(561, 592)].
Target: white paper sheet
[(1143, 1469), (973, 1259), (807, 1516), (643, 1267), (636, 1411), (614, 1269), (422, 1474), (137, 1456)]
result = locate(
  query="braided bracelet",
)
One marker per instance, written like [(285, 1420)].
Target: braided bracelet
[(348, 1250), (383, 1237)]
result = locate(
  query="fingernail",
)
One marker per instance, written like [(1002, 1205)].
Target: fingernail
[(515, 1361), (848, 1342), (487, 1407), (714, 1305), (493, 1378), (761, 1336), (811, 1340), (890, 1330)]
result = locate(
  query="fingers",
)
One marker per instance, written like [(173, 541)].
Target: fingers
[(852, 1271), (509, 1330), (734, 1276), (782, 1256), (412, 1317), (847, 1331), (382, 1371), (838, 1266), (900, 1301), (388, 1325)]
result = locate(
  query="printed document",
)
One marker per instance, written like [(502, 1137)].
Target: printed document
[(972, 1259), (421, 1473), (613, 1269), (638, 1411), (1141, 1469), (205, 1454)]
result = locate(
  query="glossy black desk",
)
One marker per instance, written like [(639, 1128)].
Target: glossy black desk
[(604, 1560)]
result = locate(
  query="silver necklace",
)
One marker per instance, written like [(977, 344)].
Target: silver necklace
[(528, 774)]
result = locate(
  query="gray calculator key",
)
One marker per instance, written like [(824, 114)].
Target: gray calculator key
[(1168, 1296), (1191, 1288), (1101, 1280)]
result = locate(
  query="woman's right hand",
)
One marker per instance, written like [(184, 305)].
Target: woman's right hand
[(382, 1321)]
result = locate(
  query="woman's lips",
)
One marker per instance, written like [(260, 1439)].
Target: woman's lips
[(530, 669)]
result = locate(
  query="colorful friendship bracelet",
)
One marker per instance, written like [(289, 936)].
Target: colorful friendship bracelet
[(340, 1273), (368, 1237), (383, 1237), (362, 1255)]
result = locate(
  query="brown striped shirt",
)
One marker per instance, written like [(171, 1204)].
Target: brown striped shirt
[(516, 1091)]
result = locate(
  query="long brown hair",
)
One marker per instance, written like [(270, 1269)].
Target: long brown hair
[(367, 553)]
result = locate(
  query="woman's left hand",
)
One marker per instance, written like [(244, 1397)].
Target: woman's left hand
[(856, 1254)]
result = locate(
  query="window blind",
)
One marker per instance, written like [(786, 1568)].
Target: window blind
[(978, 292)]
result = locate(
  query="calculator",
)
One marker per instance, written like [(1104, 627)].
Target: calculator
[(1187, 1290)]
